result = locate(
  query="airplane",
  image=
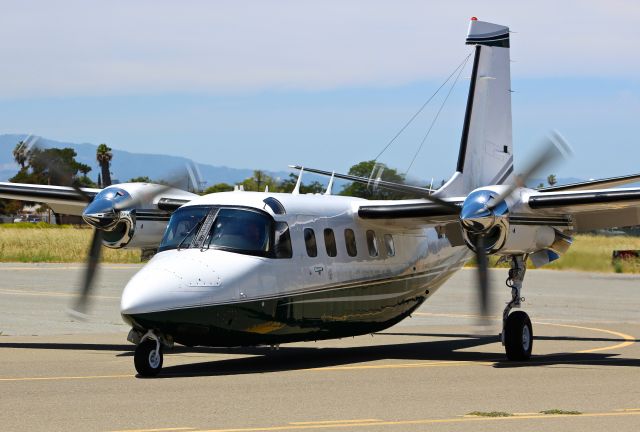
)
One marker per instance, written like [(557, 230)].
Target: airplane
[(259, 268)]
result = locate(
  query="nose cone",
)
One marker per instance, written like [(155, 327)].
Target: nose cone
[(149, 290), (100, 214), (477, 217), (178, 279)]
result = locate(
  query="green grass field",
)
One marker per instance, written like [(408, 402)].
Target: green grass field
[(24, 242)]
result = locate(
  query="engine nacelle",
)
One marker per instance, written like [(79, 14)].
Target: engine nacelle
[(133, 215), (133, 231)]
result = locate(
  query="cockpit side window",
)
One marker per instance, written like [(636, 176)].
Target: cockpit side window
[(282, 241)]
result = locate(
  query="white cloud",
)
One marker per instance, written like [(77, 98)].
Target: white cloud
[(68, 48)]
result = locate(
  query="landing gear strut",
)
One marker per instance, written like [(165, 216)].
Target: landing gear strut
[(517, 331), (148, 356)]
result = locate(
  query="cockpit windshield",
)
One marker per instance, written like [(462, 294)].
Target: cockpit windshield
[(238, 229)]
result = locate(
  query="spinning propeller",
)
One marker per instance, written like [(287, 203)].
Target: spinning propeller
[(105, 211), (483, 212)]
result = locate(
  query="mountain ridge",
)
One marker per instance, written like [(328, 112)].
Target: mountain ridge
[(126, 165)]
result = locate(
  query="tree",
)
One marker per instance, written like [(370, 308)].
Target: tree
[(53, 166), (368, 169), (289, 184), (259, 181), (104, 156), (218, 187), (21, 154), (142, 179), (551, 179)]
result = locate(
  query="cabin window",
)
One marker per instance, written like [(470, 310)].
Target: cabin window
[(350, 241), (388, 242), (330, 242), (282, 241), (372, 243), (310, 242)]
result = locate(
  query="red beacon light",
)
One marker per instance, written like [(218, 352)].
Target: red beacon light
[(474, 19)]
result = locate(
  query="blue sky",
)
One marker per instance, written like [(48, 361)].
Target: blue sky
[(266, 84)]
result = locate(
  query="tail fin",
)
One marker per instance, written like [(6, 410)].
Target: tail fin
[(486, 152)]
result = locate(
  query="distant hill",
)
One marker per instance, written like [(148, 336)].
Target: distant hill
[(127, 165)]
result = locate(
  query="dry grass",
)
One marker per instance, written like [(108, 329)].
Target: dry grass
[(592, 253), (46, 243)]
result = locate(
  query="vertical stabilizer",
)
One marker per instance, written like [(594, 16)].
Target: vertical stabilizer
[(486, 151)]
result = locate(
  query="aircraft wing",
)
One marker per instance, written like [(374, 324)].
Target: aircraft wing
[(426, 212), (61, 199), (65, 200), (590, 209)]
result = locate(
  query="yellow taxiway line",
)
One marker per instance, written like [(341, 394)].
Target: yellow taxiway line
[(72, 267), (49, 294), (62, 378), (466, 419), (629, 339)]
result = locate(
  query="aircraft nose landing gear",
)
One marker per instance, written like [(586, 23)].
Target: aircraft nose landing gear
[(148, 355), (517, 331)]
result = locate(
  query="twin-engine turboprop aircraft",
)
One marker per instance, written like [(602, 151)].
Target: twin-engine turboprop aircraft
[(258, 268)]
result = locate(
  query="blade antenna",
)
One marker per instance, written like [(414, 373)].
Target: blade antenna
[(296, 189), (330, 185)]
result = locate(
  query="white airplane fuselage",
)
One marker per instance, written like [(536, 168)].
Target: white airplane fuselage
[(218, 296)]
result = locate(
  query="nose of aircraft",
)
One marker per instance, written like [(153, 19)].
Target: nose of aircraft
[(150, 290), (183, 279)]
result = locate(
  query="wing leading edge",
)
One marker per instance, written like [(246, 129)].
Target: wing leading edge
[(61, 199), (591, 209)]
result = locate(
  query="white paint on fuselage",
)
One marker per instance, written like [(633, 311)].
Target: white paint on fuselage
[(186, 278)]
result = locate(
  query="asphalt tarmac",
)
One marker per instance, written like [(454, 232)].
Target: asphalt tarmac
[(427, 373)]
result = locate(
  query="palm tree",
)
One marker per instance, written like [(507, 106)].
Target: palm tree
[(21, 153), (104, 156), (551, 179)]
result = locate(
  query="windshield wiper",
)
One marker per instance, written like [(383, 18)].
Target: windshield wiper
[(190, 231), (198, 240)]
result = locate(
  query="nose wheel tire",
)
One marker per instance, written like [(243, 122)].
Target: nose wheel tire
[(148, 362), (518, 336)]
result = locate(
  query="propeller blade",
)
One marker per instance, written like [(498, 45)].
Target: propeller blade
[(93, 259), (554, 147), (483, 276)]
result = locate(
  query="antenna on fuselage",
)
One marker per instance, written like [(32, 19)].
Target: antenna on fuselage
[(330, 185), (236, 188), (266, 188), (296, 189)]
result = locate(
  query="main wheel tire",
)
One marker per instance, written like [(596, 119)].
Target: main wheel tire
[(147, 362), (518, 336)]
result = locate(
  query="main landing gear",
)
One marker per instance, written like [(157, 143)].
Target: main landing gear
[(517, 331), (148, 356)]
